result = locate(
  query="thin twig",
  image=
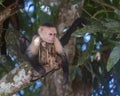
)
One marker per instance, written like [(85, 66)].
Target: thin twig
[(105, 4)]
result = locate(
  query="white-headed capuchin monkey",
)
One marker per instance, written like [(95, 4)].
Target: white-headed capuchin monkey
[(45, 49)]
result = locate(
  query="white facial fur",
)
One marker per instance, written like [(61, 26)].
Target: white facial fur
[(48, 34)]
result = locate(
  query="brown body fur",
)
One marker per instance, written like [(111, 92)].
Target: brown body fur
[(48, 56)]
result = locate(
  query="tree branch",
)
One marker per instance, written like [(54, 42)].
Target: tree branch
[(10, 10), (20, 77), (105, 4)]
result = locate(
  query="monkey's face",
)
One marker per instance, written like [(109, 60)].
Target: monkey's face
[(51, 34), (48, 34)]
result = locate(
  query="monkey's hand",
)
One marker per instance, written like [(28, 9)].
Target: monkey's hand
[(35, 64), (36, 41), (38, 70)]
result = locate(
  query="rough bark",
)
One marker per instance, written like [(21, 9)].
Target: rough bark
[(9, 11), (19, 78)]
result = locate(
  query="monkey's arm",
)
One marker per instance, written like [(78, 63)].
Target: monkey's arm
[(32, 54), (78, 23)]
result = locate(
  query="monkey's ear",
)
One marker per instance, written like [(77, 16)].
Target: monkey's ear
[(40, 29), (58, 46)]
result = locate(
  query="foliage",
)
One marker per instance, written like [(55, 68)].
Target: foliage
[(114, 57), (104, 29)]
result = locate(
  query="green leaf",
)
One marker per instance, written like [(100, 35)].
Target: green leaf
[(88, 29), (114, 57), (100, 12)]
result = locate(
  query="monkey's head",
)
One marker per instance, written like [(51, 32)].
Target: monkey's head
[(47, 34)]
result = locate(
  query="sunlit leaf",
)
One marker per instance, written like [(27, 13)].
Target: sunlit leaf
[(113, 24), (114, 57), (117, 11)]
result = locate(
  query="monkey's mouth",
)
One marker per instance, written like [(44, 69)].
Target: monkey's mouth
[(51, 41)]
